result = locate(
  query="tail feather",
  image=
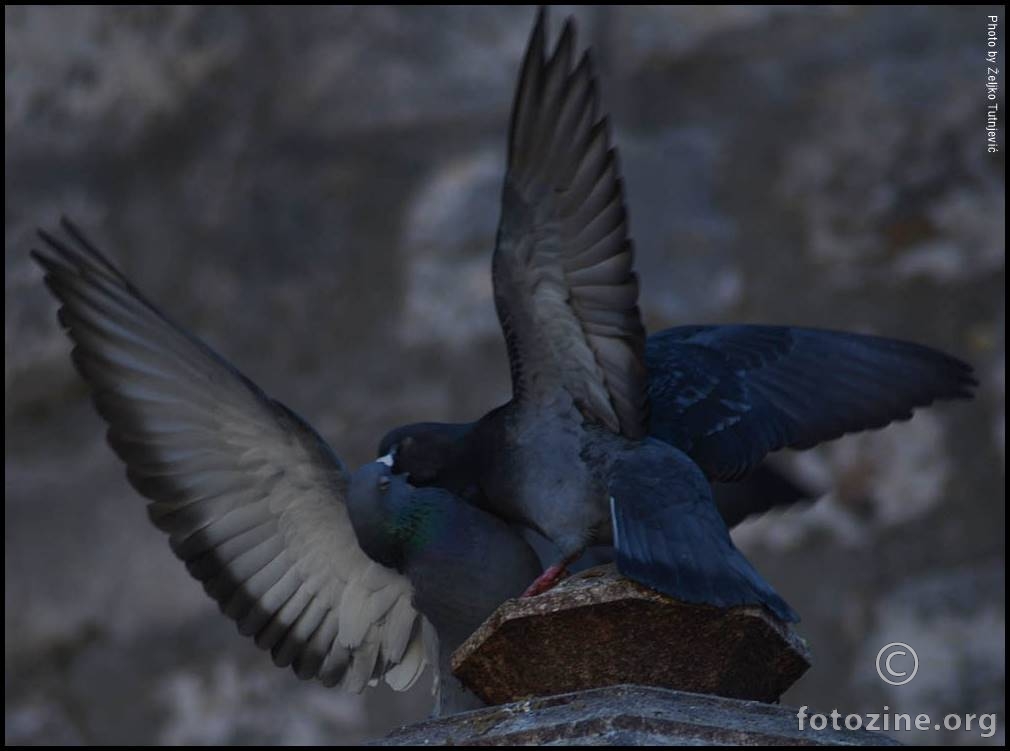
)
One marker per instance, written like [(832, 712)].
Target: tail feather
[(669, 535)]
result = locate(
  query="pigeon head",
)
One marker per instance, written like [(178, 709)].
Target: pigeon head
[(424, 450), (393, 519), (377, 500), (376, 484)]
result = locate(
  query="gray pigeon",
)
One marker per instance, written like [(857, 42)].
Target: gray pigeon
[(347, 578), (568, 455), (576, 454)]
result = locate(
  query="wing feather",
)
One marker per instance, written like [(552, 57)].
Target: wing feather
[(251, 497), (729, 395), (563, 251)]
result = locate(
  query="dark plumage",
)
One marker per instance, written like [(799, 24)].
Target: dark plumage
[(557, 457), (729, 395), (566, 456), (340, 576), (665, 523)]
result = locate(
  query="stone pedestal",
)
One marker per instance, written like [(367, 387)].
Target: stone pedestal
[(599, 629), (600, 660), (626, 716)]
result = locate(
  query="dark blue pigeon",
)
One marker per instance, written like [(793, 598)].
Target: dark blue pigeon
[(347, 578), (569, 456)]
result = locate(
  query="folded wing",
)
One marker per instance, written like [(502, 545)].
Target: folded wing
[(728, 395), (251, 497), (565, 292)]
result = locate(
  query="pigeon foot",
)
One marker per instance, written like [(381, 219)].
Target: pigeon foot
[(547, 579)]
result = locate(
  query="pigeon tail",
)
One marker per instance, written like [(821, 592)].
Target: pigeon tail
[(669, 535)]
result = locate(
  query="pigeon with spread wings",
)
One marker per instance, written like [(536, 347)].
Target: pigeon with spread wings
[(569, 455), (553, 458), (347, 578)]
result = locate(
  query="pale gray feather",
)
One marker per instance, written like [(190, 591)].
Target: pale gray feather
[(252, 498)]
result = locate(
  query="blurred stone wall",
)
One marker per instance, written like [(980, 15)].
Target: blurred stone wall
[(314, 191)]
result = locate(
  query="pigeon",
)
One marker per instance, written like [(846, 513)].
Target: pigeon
[(348, 578), (613, 438)]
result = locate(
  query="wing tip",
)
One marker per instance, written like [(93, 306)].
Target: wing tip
[(68, 225), (49, 239), (40, 258), (565, 45), (541, 19)]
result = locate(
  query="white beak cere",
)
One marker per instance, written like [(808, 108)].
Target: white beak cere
[(387, 460)]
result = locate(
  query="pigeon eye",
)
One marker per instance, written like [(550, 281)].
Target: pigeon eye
[(384, 483)]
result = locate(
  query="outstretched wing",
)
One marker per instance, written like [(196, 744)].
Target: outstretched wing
[(728, 395), (669, 535), (251, 497), (565, 292)]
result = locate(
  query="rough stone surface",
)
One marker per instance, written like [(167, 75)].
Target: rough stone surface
[(628, 716), (314, 191), (599, 629)]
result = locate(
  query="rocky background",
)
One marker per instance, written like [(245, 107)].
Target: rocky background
[(314, 191)]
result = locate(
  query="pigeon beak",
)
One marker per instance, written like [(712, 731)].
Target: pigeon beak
[(387, 459)]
